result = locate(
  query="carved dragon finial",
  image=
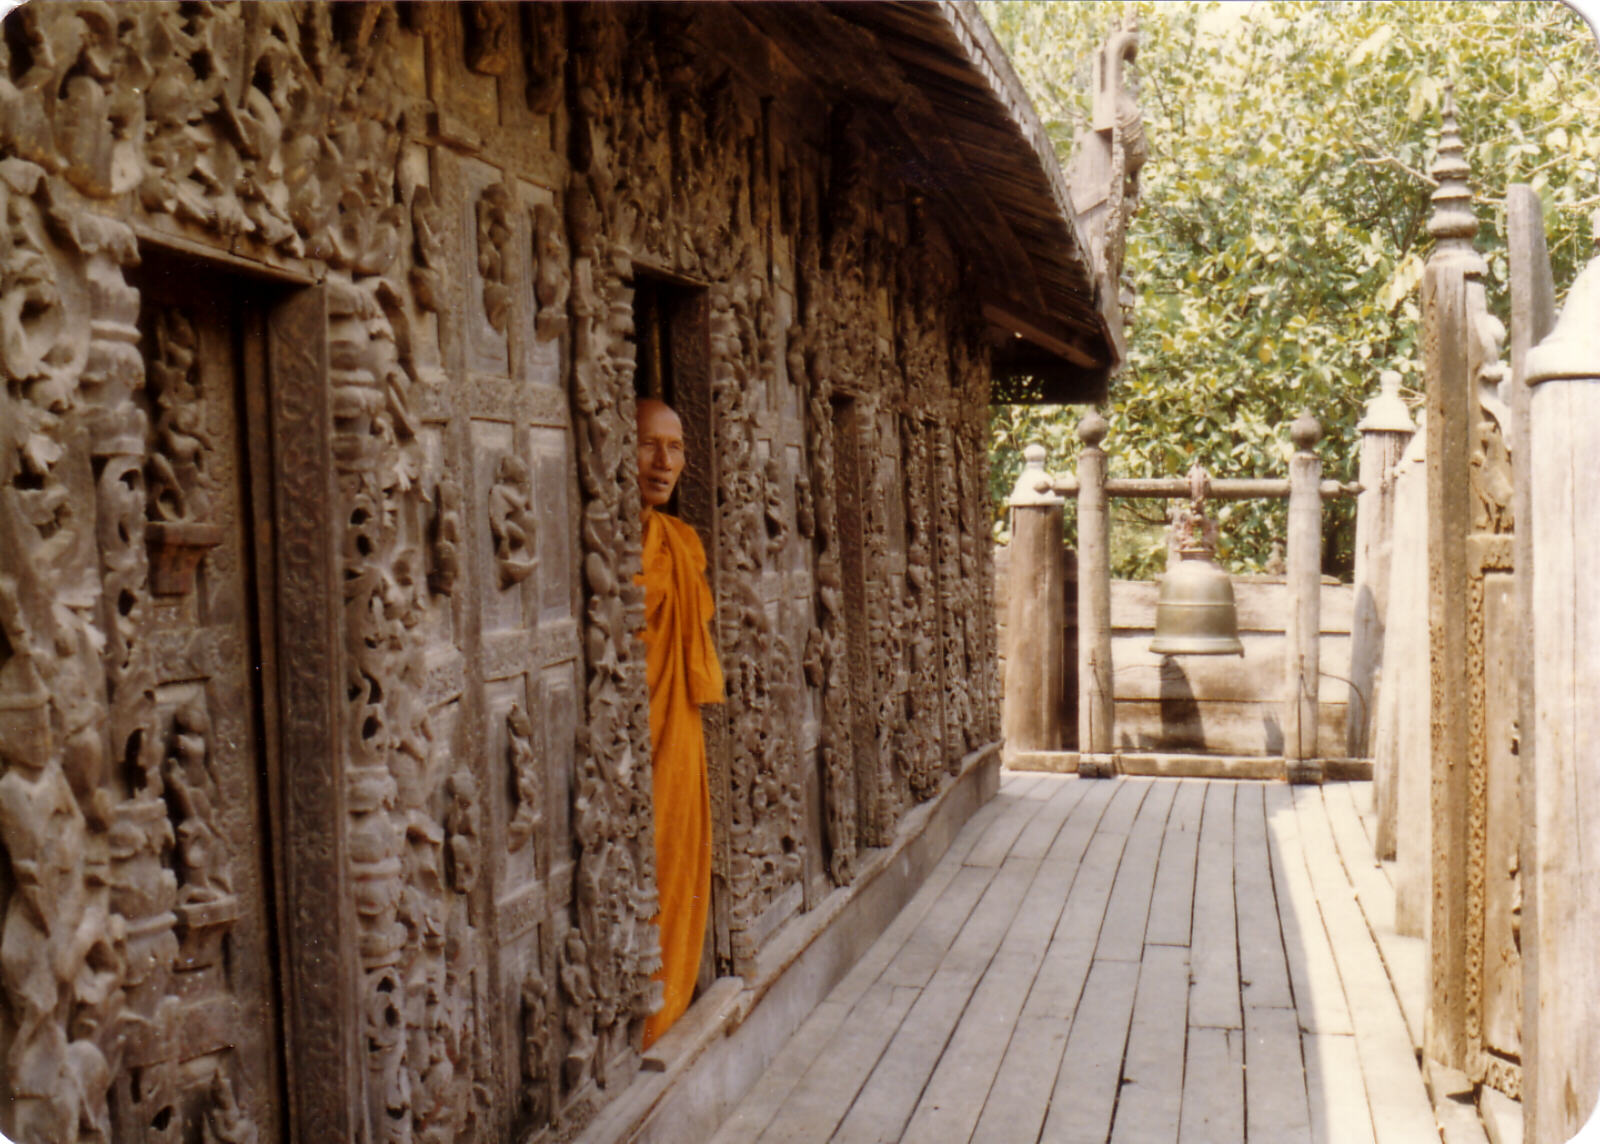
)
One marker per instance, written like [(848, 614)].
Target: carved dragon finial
[(1453, 224)]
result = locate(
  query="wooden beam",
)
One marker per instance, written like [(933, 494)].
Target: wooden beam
[(1041, 331)]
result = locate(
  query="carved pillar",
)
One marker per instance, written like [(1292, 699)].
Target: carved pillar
[(1474, 1011), (1302, 642), (1035, 699), (1564, 373), (1096, 699), (1385, 431)]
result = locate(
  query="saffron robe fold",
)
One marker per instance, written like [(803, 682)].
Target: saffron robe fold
[(683, 672)]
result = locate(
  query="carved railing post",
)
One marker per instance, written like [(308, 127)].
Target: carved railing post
[(1564, 411), (1096, 702), (1035, 692), (1473, 1004), (1385, 431), (1304, 558)]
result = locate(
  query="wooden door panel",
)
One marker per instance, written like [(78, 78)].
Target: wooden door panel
[(203, 1053)]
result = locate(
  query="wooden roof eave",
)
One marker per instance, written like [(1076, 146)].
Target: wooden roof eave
[(946, 51)]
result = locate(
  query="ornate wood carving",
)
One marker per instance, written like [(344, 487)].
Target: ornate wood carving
[(1475, 1004), (607, 958), (551, 285), (467, 945), (511, 521), (179, 530), (407, 867)]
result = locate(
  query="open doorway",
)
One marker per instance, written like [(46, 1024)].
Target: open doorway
[(672, 345)]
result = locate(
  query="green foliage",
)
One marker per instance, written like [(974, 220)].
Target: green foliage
[(1278, 249)]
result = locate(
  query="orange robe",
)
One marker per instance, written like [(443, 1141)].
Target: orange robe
[(683, 673)]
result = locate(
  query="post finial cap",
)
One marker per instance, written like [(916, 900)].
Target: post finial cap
[(1305, 431), (1033, 487), (1572, 349), (1387, 412)]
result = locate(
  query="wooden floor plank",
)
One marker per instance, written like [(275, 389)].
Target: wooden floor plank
[(1172, 901), (1214, 949), (1336, 1091), (890, 1094), (1401, 1111), (1037, 837), (1019, 1097), (1213, 1087), (1355, 849), (824, 1094), (996, 843), (1126, 795), (920, 956), (954, 1097), (1263, 971), (1027, 998), (761, 1104), (952, 1101), (1152, 1071), (1318, 991), (1085, 1093), (1122, 934), (1404, 957), (1073, 838), (1275, 1104)]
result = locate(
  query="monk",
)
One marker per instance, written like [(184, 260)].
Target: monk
[(683, 673)]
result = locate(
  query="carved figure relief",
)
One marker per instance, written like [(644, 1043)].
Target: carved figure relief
[(547, 57), (524, 766), (551, 285), (446, 536), (536, 1046), (427, 249), (490, 34), (192, 790), (493, 215), (177, 485), (512, 522)]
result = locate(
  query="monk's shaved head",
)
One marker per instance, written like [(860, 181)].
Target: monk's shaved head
[(651, 408), (661, 454)]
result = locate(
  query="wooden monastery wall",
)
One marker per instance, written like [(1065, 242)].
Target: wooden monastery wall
[(323, 730)]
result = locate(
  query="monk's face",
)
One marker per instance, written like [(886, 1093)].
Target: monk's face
[(660, 452)]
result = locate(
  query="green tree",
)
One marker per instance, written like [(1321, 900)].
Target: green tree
[(1278, 249)]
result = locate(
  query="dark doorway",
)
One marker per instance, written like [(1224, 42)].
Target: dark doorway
[(672, 346)]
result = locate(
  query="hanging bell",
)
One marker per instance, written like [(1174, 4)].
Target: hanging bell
[(1195, 612)]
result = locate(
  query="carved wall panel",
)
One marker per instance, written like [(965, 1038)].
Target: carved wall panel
[(415, 829)]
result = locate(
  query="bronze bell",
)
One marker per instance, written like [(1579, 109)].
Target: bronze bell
[(1195, 612)]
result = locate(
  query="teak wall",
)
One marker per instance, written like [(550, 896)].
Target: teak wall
[(324, 784)]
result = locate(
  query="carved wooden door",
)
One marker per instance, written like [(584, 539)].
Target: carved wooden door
[(191, 873)]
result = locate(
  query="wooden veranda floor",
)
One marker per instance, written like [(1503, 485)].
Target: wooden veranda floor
[(1124, 960)]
